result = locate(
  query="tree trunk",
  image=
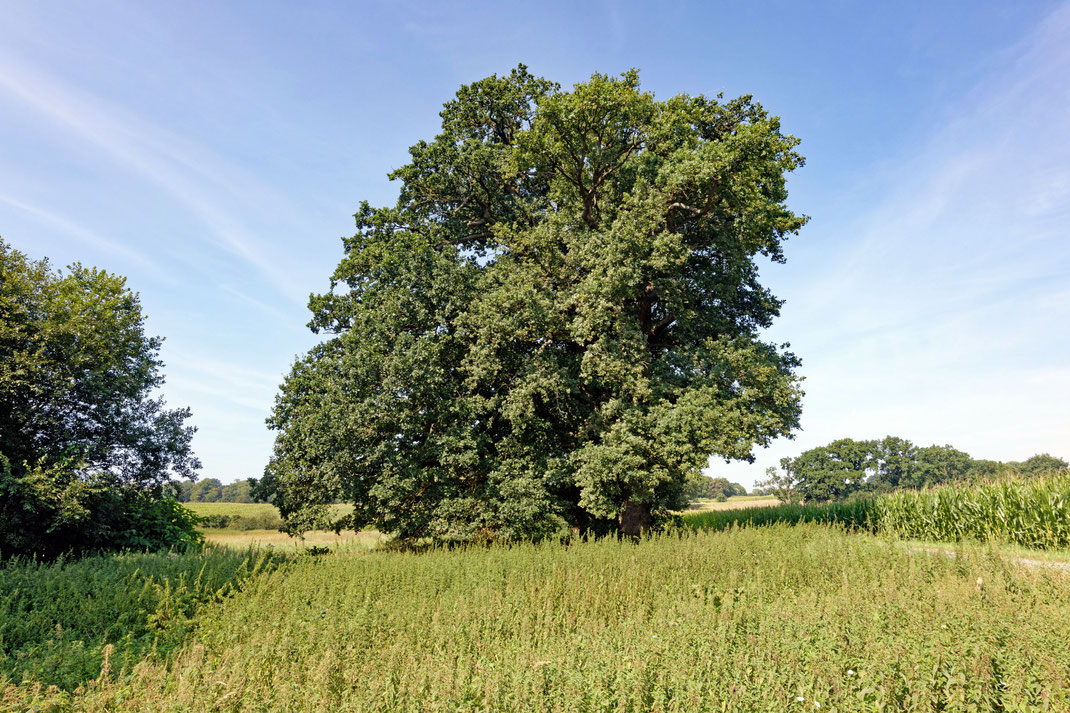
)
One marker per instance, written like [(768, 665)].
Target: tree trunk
[(634, 518)]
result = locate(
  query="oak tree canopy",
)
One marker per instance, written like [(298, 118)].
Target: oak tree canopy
[(557, 322)]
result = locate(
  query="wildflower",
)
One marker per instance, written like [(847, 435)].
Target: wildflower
[(943, 626), (850, 672), (816, 704), (800, 699)]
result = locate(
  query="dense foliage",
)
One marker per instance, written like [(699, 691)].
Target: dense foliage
[(751, 620), (555, 325), (85, 447), (848, 467)]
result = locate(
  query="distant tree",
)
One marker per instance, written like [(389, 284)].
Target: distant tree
[(700, 486), (986, 469), (558, 321), (780, 484), (834, 471), (240, 491), (940, 464), (212, 490), (696, 487), (86, 450), (181, 490), (1041, 464), (207, 490), (894, 460)]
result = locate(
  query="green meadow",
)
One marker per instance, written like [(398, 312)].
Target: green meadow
[(753, 614)]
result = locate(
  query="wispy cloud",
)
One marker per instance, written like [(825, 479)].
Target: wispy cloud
[(226, 384), (943, 318), (85, 235), (283, 318), (202, 181)]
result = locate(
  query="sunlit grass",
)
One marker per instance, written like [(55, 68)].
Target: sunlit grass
[(742, 620), (736, 502), (242, 539)]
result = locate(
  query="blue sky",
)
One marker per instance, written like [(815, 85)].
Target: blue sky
[(215, 153)]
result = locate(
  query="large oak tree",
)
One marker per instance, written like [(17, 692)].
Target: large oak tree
[(556, 323)]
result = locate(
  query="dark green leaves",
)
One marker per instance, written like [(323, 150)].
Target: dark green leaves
[(83, 447), (560, 316)]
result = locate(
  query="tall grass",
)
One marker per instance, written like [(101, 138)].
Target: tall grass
[(58, 618), (752, 619), (1032, 512)]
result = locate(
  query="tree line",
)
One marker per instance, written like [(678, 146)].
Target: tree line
[(848, 467), (212, 490), (700, 486)]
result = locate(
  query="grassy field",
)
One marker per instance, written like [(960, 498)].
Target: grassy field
[(758, 619), (245, 539), (755, 609), (736, 502), (243, 525)]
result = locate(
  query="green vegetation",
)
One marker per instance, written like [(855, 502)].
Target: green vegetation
[(211, 490), (1033, 512), (557, 322), (249, 516), (847, 467), (757, 619), (57, 619), (237, 516), (699, 486), (536, 350), (85, 447)]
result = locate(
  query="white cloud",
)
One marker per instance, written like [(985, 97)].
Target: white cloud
[(945, 317), (202, 181)]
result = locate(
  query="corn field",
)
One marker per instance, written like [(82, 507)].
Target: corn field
[(1033, 513)]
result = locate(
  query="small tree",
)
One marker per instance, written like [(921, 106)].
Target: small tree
[(85, 448), (780, 483)]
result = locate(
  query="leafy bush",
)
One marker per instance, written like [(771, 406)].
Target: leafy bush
[(53, 511), (86, 450)]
